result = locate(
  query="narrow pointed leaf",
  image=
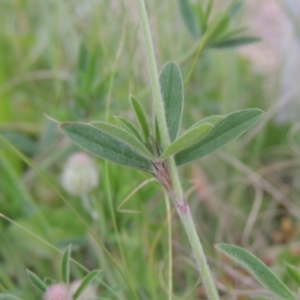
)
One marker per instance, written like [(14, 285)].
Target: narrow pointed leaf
[(189, 138), (258, 269), (104, 145), (171, 85), (124, 136), (37, 281), (187, 16), (235, 42), (294, 273), (229, 128), (85, 283), (217, 27), (130, 127), (65, 265), (141, 116)]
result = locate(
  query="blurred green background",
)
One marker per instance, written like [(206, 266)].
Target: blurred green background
[(80, 61)]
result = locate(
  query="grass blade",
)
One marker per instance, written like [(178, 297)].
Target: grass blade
[(258, 269)]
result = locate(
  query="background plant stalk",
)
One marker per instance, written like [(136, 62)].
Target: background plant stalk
[(170, 179)]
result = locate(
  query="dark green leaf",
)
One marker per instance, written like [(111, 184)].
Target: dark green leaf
[(235, 42), (229, 128), (124, 136), (157, 133), (200, 16), (189, 138), (37, 281), (65, 265), (258, 269), (188, 17), (172, 92), (104, 145), (85, 283), (141, 117), (294, 273)]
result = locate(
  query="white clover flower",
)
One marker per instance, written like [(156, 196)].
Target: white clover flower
[(58, 291), (89, 292), (80, 174)]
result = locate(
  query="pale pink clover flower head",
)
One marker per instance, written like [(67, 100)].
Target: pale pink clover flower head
[(58, 291), (80, 174)]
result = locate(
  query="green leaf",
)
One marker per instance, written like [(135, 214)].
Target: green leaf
[(9, 297), (235, 42), (217, 27), (37, 281), (104, 145), (171, 85), (189, 138), (229, 128), (124, 136), (294, 273), (141, 116), (188, 17), (258, 269), (130, 127), (85, 282), (212, 119), (65, 265)]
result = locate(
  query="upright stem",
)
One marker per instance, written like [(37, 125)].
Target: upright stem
[(176, 193)]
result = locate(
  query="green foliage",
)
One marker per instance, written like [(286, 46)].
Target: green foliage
[(229, 128), (37, 281), (218, 30), (294, 273), (188, 139), (85, 283), (172, 92), (141, 117), (65, 265), (124, 136), (104, 145), (258, 269)]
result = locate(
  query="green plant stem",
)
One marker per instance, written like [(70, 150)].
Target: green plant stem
[(176, 193), (199, 51)]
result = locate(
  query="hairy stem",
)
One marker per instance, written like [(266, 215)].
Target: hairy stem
[(175, 189)]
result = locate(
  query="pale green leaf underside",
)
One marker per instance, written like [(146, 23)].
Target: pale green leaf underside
[(104, 145), (189, 138), (124, 136), (258, 269), (229, 128), (212, 119), (141, 117), (85, 283), (171, 85)]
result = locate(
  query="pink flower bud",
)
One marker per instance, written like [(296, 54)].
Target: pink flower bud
[(80, 174), (58, 291)]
